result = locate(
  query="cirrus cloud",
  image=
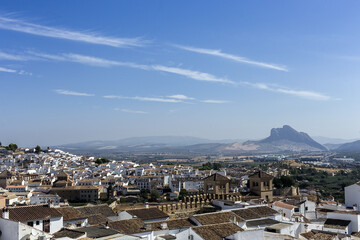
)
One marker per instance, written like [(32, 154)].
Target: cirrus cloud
[(72, 93), (219, 53), (61, 33)]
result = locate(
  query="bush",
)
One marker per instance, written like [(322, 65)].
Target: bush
[(12, 147), (102, 160)]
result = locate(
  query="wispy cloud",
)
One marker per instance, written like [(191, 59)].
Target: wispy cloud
[(14, 57), (94, 61), (145, 99), (178, 98), (53, 32), (20, 72), (181, 97), (200, 76), (196, 75), (219, 53), (100, 62), (72, 93), (130, 111), (8, 70), (214, 101), (298, 93)]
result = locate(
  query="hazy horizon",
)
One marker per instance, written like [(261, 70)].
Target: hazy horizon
[(205, 69)]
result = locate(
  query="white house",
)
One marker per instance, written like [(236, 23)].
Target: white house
[(72, 217), (286, 210), (145, 214), (337, 225), (353, 216), (41, 217), (13, 230), (17, 188), (352, 195), (42, 198)]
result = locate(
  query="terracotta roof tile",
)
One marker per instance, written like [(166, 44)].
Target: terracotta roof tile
[(283, 205), (33, 212), (102, 209), (217, 231), (216, 177), (148, 213), (70, 233), (218, 217), (70, 213)]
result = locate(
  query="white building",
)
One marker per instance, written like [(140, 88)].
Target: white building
[(41, 217), (352, 195), (145, 214), (13, 230), (353, 216), (286, 210), (41, 198)]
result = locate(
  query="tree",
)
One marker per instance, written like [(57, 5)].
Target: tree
[(154, 195), (38, 149), (102, 160), (217, 166), (277, 183), (284, 181), (209, 166), (144, 194), (12, 147), (183, 193), (287, 181)]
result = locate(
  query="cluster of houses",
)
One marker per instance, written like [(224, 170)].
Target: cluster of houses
[(38, 192)]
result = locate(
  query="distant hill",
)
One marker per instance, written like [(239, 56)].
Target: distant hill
[(280, 140), (332, 146), (350, 147), (327, 140), (285, 139), (139, 144)]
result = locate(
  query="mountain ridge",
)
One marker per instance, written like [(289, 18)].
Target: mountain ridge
[(280, 140), (350, 147)]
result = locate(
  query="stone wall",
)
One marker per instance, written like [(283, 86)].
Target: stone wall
[(195, 202)]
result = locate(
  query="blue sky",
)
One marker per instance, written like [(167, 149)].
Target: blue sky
[(72, 72)]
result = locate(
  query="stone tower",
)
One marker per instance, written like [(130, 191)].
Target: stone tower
[(261, 184)]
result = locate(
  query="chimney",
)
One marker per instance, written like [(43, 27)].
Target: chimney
[(147, 226), (164, 226), (5, 213), (233, 219)]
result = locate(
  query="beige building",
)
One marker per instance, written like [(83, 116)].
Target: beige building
[(77, 193), (216, 184), (6, 178), (63, 180), (261, 184)]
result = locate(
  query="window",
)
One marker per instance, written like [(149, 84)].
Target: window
[(31, 224), (297, 209), (37, 222)]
